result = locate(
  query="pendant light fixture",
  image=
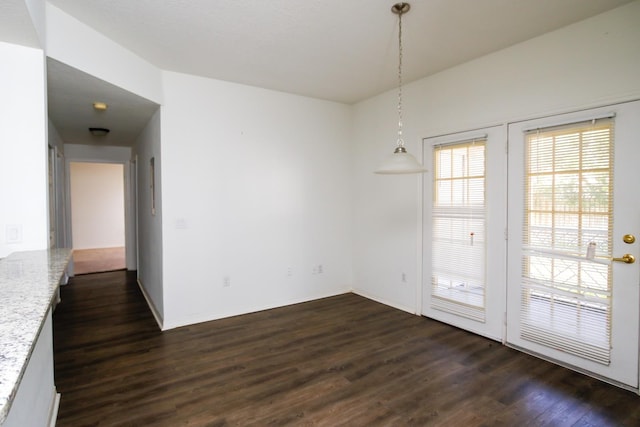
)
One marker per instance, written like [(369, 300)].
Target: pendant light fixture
[(400, 162)]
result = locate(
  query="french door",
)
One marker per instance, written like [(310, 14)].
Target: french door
[(534, 247), (464, 225), (574, 213)]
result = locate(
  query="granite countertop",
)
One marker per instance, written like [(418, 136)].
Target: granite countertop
[(28, 285)]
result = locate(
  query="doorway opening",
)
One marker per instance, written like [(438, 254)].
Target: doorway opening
[(97, 216)]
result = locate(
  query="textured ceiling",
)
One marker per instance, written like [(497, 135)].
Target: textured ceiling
[(341, 50), (15, 24)]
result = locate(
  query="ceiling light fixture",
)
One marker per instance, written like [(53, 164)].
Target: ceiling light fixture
[(100, 106), (400, 162), (99, 131)]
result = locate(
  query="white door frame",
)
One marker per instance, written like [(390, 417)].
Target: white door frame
[(424, 243), (495, 184), (621, 162), (131, 249)]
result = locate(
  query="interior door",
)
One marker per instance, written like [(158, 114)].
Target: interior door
[(464, 230), (573, 294)]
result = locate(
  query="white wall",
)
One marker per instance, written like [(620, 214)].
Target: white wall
[(266, 219), (150, 225), (594, 62), (97, 204), (257, 184), (256, 188), (74, 43), (23, 149)]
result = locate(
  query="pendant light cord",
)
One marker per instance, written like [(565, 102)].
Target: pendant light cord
[(400, 142), (400, 162)]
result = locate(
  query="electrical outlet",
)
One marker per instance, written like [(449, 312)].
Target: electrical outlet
[(226, 281), (289, 272), (317, 269), (13, 233), (404, 277)]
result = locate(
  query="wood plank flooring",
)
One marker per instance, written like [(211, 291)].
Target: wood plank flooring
[(98, 260), (340, 361)]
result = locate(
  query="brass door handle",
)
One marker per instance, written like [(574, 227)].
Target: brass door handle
[(628, 258)]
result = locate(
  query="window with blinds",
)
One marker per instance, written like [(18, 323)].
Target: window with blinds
[(458, 240), (566, 272)]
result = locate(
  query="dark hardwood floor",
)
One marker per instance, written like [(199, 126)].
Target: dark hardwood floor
[(343, 360)]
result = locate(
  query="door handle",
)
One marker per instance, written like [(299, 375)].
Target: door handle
[(627, 258)]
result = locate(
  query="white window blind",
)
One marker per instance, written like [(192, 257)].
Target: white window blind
[(458, 242), (566, 274)]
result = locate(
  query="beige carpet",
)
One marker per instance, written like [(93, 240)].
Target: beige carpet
[(98, 260)]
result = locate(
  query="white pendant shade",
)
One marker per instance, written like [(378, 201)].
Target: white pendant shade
[(400, 162)]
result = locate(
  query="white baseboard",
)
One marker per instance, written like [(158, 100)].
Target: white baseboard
[(375, 298), (53, 413), (208, 317), (154, 311)]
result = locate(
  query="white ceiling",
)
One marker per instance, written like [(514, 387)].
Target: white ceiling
[(15, 24), (71, 94), (340, 50)]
